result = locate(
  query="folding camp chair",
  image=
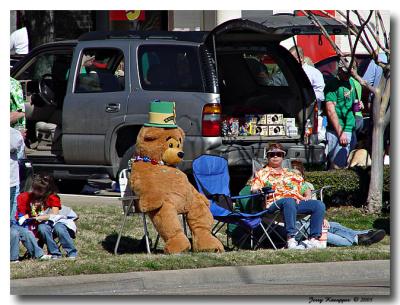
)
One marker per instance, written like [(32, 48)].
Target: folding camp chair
[(129, 200), (212, 179)]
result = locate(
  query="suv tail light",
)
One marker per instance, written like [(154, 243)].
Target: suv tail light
[(211, 120), (315, 117)]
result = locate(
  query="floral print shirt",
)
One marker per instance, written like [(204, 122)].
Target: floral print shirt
[(287, 184), (17, 102)]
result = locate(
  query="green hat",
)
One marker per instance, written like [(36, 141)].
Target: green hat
[(162, 114)]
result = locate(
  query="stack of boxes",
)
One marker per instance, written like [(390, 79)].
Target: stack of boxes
[(273, 124)]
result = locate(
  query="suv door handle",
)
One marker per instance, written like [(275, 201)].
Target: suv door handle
[(113, 107)]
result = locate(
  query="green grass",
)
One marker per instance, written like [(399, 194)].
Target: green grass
[(98, 226)]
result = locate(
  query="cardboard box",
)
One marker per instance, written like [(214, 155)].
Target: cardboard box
[(262, 119), (289, 122), (276, 130), (275, 119), (264, 130)]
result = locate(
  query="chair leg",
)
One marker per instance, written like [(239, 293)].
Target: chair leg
[(146, 233), (267, 235), (122, 227)]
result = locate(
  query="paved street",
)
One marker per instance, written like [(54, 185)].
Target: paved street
[(338, 278)]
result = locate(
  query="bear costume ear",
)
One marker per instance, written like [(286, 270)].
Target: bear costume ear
[(182, 133), (151, 133)]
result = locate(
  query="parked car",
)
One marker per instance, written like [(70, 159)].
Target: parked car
[(87, 99)]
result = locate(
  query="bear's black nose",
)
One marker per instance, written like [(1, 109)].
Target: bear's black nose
[(181, 154)]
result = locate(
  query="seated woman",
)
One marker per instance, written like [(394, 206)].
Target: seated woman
[(289, 187), (339, 235), (40, 210)]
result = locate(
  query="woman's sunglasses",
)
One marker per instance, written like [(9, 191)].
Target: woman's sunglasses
[(275, 154)]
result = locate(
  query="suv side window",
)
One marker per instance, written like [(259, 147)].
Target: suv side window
[(101, 70), (170, 68), (55, 63), (265, 70)]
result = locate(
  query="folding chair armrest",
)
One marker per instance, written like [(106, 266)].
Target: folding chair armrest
[(246, 196)]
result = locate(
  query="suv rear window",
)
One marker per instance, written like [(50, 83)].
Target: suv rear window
[(170, 68), (101, 70)]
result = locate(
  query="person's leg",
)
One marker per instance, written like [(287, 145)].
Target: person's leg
[(14, 244), (338, 241), (287, 206), (66, 241), (333, 147), (316, 209), (347, 233), (30, 243), (342, 153), (46, 234)]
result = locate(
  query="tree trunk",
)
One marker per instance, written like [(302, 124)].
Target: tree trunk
[(380, 105)]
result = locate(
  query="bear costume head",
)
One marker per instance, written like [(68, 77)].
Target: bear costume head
[(161, 144)]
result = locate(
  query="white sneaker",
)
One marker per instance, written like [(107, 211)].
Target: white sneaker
[(292, 244), (312, 244), (45, 257)]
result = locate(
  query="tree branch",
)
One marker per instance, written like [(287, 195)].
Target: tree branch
[(387, 41), (353, 29), (361, 30), (376, 38)]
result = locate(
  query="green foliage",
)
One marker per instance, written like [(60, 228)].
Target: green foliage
[(348, 186)]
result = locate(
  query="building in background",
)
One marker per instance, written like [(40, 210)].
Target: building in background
[(47, 26)]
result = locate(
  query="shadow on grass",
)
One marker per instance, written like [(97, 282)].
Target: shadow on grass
[(126, 245), (383, 224)]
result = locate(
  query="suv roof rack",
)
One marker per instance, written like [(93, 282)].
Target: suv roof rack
[(194, 36)]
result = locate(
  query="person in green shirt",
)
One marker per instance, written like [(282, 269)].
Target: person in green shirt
[(17, 106), (359, 124), (339, 98)]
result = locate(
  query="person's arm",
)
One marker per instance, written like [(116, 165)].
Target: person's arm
[(333, 118), (54, 211), (256, 184), (319, 85), (15, 116)]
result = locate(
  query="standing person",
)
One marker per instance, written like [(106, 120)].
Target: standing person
[(339, 98), (17, 106), (290, 197), (19, 42), (44, 205), (16, 148), (313, 74)]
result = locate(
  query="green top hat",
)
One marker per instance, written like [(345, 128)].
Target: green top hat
[(162, 114)]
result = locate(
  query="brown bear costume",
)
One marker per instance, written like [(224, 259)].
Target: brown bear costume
[(164, 192)]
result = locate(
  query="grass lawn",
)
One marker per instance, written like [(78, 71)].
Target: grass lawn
[(97, 233)]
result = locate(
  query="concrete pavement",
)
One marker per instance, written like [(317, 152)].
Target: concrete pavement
[(336, 278)]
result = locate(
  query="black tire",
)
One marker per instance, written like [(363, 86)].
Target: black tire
[(124, 160)]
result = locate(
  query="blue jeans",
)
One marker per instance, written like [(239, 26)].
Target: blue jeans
[(290, 209), (338, 154), (17, 234), (338, 235), (14, 192), (61, 231)]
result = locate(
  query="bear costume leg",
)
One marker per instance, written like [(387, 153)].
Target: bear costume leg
[(200, 221), (167, 224)]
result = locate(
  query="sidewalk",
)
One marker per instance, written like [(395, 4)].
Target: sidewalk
[(337, 278)]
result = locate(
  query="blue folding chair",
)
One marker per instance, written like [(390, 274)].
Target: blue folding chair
[(212, 179)]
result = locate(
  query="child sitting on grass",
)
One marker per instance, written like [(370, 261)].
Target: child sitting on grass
[(39, 214)]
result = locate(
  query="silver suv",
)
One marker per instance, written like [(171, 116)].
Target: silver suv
[(87, 99)]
